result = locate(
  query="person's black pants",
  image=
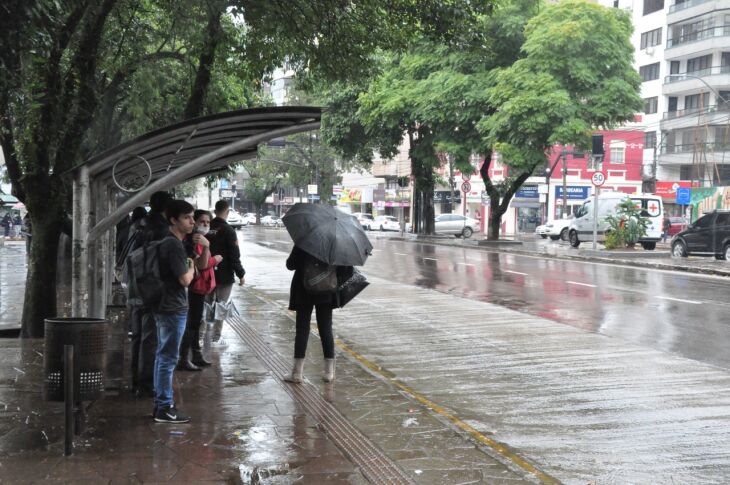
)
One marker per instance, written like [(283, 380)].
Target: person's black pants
[(191, 338), (324, 326), (144, 348)]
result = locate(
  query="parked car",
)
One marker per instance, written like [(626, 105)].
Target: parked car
[(677, 225), (386, 223), (542, 231), (456, 224), (234, 219), (581, 226), (557, 229), (249, 218), (707, 236), (271, 221), (366, 220)]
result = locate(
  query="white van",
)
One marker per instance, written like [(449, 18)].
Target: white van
[(581, 228)]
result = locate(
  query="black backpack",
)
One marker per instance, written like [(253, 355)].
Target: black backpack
[(319, 278), (145, 284)]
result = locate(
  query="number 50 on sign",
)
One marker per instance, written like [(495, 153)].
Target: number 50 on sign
[(598, 179)]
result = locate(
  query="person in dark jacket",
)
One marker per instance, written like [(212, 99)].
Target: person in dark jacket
[(224, 243), (7, 223), (144, 328), (303, 303)]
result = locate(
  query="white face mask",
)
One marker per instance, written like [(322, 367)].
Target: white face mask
[(202, 229)]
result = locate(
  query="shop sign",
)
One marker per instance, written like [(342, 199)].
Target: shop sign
[(527, 192), (337, 189), (668, 190), (573, 192)]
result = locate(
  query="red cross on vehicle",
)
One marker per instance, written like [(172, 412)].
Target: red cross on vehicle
[(653, 208)]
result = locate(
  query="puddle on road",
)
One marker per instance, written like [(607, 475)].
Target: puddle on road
[(253, 475)]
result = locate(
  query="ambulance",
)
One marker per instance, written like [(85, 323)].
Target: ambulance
[(652, 208)]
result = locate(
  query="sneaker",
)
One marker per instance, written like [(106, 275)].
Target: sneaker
[(170, 414)]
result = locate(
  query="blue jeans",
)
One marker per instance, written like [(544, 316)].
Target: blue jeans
[(170, 329)]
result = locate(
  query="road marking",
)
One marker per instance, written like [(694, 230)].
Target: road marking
[(282, 242), (580, 284), (515, 272), (466, 264), (500, 448), (400, 254), (430, 259), (377, 250), (693, 302)]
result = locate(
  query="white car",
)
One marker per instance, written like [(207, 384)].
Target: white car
[(456, 224), (271, 221), (249, 218), (542, 231), (366, 220), (557, 229), (386, 223), (234, 219)]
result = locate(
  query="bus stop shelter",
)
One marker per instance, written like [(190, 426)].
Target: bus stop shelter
[(108, 186)]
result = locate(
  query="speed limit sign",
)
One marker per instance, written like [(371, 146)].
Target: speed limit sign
[(598, 179), (465, 187)]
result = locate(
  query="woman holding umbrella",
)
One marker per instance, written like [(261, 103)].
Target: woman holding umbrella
[(327, 243)]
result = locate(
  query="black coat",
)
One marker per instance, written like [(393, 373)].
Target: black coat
[(298, 296), (224, 242)]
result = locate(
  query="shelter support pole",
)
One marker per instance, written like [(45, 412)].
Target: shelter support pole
[(80, 249)]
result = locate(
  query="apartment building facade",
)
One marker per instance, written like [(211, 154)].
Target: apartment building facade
[(683, 57)]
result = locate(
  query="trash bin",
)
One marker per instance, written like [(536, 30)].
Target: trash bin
[(90, 340)]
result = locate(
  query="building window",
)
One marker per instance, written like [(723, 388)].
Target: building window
[(694, 102), (651, 38), (723, 101), (649, 139), (618, 150), (651, 105), (652, 6), (650, 72), (691, 31), (699, 63), (691, 172), (725, 62)]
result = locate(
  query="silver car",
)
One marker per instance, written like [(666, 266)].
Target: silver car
[(456, 224)]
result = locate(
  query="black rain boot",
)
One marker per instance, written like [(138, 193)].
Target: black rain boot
[(199, 359), (184, 363)]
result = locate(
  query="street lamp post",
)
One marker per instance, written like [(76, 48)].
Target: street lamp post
[(233, 197)]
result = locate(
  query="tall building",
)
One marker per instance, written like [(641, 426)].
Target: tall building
[(683, 57)]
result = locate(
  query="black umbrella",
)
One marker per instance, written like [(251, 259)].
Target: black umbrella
[(328, 234)]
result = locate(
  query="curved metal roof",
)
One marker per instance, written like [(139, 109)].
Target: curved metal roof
[(171, 147)]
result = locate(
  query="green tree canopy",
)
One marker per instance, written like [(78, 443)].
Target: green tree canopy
[(80, 76), (544, 99)]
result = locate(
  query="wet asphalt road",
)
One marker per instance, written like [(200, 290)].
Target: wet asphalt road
[(684, 314)]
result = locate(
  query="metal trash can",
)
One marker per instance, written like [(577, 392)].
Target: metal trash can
[(90, 340)]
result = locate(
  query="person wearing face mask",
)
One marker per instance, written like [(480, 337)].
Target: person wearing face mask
[(202, 285)]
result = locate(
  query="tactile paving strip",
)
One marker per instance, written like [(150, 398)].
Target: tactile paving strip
[(373, 463)]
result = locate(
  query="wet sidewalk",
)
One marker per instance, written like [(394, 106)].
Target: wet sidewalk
[(249, 426)]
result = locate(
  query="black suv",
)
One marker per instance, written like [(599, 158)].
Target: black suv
[(707, 236)]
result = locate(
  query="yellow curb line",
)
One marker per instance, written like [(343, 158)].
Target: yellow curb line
[(501, 449)]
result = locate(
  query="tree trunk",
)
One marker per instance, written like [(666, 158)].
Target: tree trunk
[(40, 289), (495, 223)]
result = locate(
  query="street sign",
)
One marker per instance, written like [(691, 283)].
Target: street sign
[(465, 177), (598, 179), (312, 189), (466, 187), (226, 194), (684, 195), (313, 197)]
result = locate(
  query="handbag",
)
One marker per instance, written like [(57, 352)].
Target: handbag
[(319, 278), (351, 287)]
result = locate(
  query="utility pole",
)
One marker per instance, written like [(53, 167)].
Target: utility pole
[(564, 155)]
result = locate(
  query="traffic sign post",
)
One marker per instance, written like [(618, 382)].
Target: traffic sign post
[(466, 188), (598, 179)]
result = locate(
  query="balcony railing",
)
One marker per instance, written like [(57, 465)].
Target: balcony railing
[(671, 115), (676, 7), (721, 31), (686, 76), (712, 146)]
